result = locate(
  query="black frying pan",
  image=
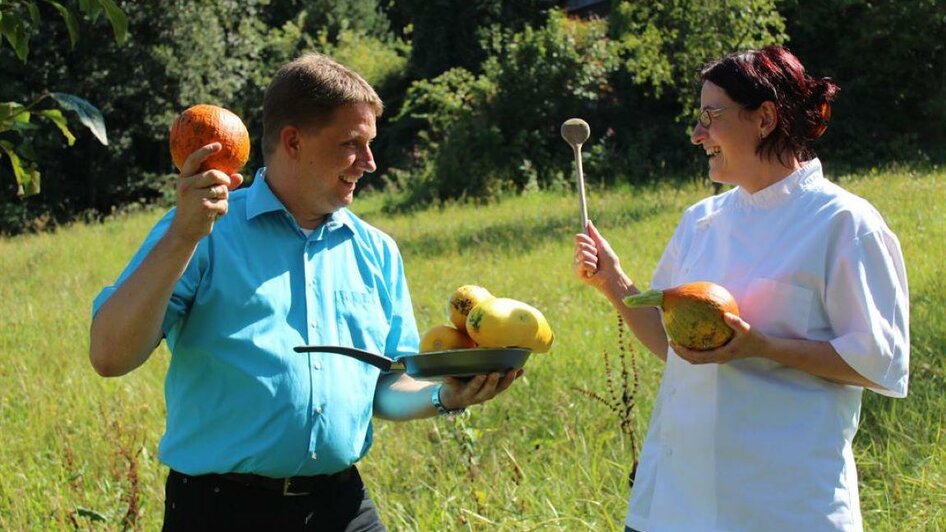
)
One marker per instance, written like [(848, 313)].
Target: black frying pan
[(453, 363)]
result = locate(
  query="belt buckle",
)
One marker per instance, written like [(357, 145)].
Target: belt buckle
[(287, 488)]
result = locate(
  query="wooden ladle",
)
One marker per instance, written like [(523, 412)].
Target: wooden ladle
[(576, 131)]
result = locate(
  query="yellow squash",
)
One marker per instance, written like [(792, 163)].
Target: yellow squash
[(444, 337), (505, 322), (462, 302)]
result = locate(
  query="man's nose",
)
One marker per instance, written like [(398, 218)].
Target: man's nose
[(366, 160)]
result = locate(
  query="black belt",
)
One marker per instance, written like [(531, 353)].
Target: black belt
[(290, 485)]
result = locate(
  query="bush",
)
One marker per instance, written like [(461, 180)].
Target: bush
[(499, 131), (633, 78), (889, 58)]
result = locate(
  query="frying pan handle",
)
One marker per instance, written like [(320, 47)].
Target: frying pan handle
[(379, 361)]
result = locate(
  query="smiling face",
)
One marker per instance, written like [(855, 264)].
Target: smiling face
[(325, 163), (731, 139)]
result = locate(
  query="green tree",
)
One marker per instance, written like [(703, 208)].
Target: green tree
[(19, 21), (664, 44), (485, 134), (332, 17), (889, 57), (447, 34), (178, 53)]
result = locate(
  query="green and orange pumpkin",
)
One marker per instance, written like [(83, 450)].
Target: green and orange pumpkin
[(692, 313)]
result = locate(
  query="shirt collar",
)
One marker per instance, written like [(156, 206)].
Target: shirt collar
[(777, 192), (261, 200)]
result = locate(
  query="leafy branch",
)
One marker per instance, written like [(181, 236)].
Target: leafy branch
[(18, 19), (16, 25), (15, 118)]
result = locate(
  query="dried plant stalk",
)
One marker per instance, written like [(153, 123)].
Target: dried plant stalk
[(620, 397)]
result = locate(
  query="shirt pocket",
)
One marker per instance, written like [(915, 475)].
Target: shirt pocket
[(361, 321), (776, 308)]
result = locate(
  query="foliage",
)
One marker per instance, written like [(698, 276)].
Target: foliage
[(632, 78), (177, 54), (381, 63), (448, 34), (664, 44), (486, 134), (474, 91), (19, 19), (15, 118), (889, 58), (331, 17)]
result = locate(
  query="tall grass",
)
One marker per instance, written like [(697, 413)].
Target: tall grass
[(77, 450)]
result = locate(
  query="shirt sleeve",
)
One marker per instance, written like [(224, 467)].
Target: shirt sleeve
[(184, 291), (403, 338), (868, 307)]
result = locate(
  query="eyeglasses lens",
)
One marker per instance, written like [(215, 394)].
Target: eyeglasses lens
[(705, 118)]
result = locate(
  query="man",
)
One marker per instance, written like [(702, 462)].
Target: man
[(258, 436)]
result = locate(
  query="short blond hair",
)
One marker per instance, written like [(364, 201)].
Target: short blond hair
[(305, 92)]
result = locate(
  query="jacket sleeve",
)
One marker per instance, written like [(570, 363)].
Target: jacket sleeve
[(868, 307)]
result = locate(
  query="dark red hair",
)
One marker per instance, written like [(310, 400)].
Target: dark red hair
[(775, 75)]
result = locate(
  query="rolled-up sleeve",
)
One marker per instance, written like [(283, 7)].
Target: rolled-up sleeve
[(183, 294), (868, 308)]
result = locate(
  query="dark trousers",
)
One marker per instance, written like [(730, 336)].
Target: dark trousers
[(212, 502)]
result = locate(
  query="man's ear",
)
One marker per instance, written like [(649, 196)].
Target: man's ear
[(290, 139)]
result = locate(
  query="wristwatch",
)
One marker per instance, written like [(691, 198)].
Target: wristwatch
[(435, 399)]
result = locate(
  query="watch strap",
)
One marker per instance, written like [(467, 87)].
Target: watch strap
[(435, 399)]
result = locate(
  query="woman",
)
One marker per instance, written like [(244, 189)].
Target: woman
[(756, 435)]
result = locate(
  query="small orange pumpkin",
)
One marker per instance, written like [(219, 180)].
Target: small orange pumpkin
[(202, 124), (692, 312)]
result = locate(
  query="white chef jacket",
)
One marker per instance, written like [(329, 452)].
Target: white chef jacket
[(754, 445)]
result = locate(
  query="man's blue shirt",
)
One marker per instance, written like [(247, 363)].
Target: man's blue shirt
[(239, 399)]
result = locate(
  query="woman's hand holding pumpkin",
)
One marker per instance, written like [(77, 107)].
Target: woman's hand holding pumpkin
[(744, 344)]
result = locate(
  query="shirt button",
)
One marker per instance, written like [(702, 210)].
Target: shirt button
[(668, 451), (318, 410), (315, 456), (316, 365)]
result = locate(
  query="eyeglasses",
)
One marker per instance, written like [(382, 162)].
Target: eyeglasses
[(706, 116)]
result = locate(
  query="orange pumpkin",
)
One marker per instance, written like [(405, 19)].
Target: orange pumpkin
[(692, 313), (202, 124), (443, 338)]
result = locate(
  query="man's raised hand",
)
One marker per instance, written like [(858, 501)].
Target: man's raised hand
[(202, 195)]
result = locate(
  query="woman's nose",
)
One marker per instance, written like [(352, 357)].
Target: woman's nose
[(698, 134)]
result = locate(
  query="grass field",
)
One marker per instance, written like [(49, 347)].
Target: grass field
[(80, 451)]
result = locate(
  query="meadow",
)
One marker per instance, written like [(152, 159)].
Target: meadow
[(79, 451)]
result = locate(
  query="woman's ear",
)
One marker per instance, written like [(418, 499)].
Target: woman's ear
[(768, 118)]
